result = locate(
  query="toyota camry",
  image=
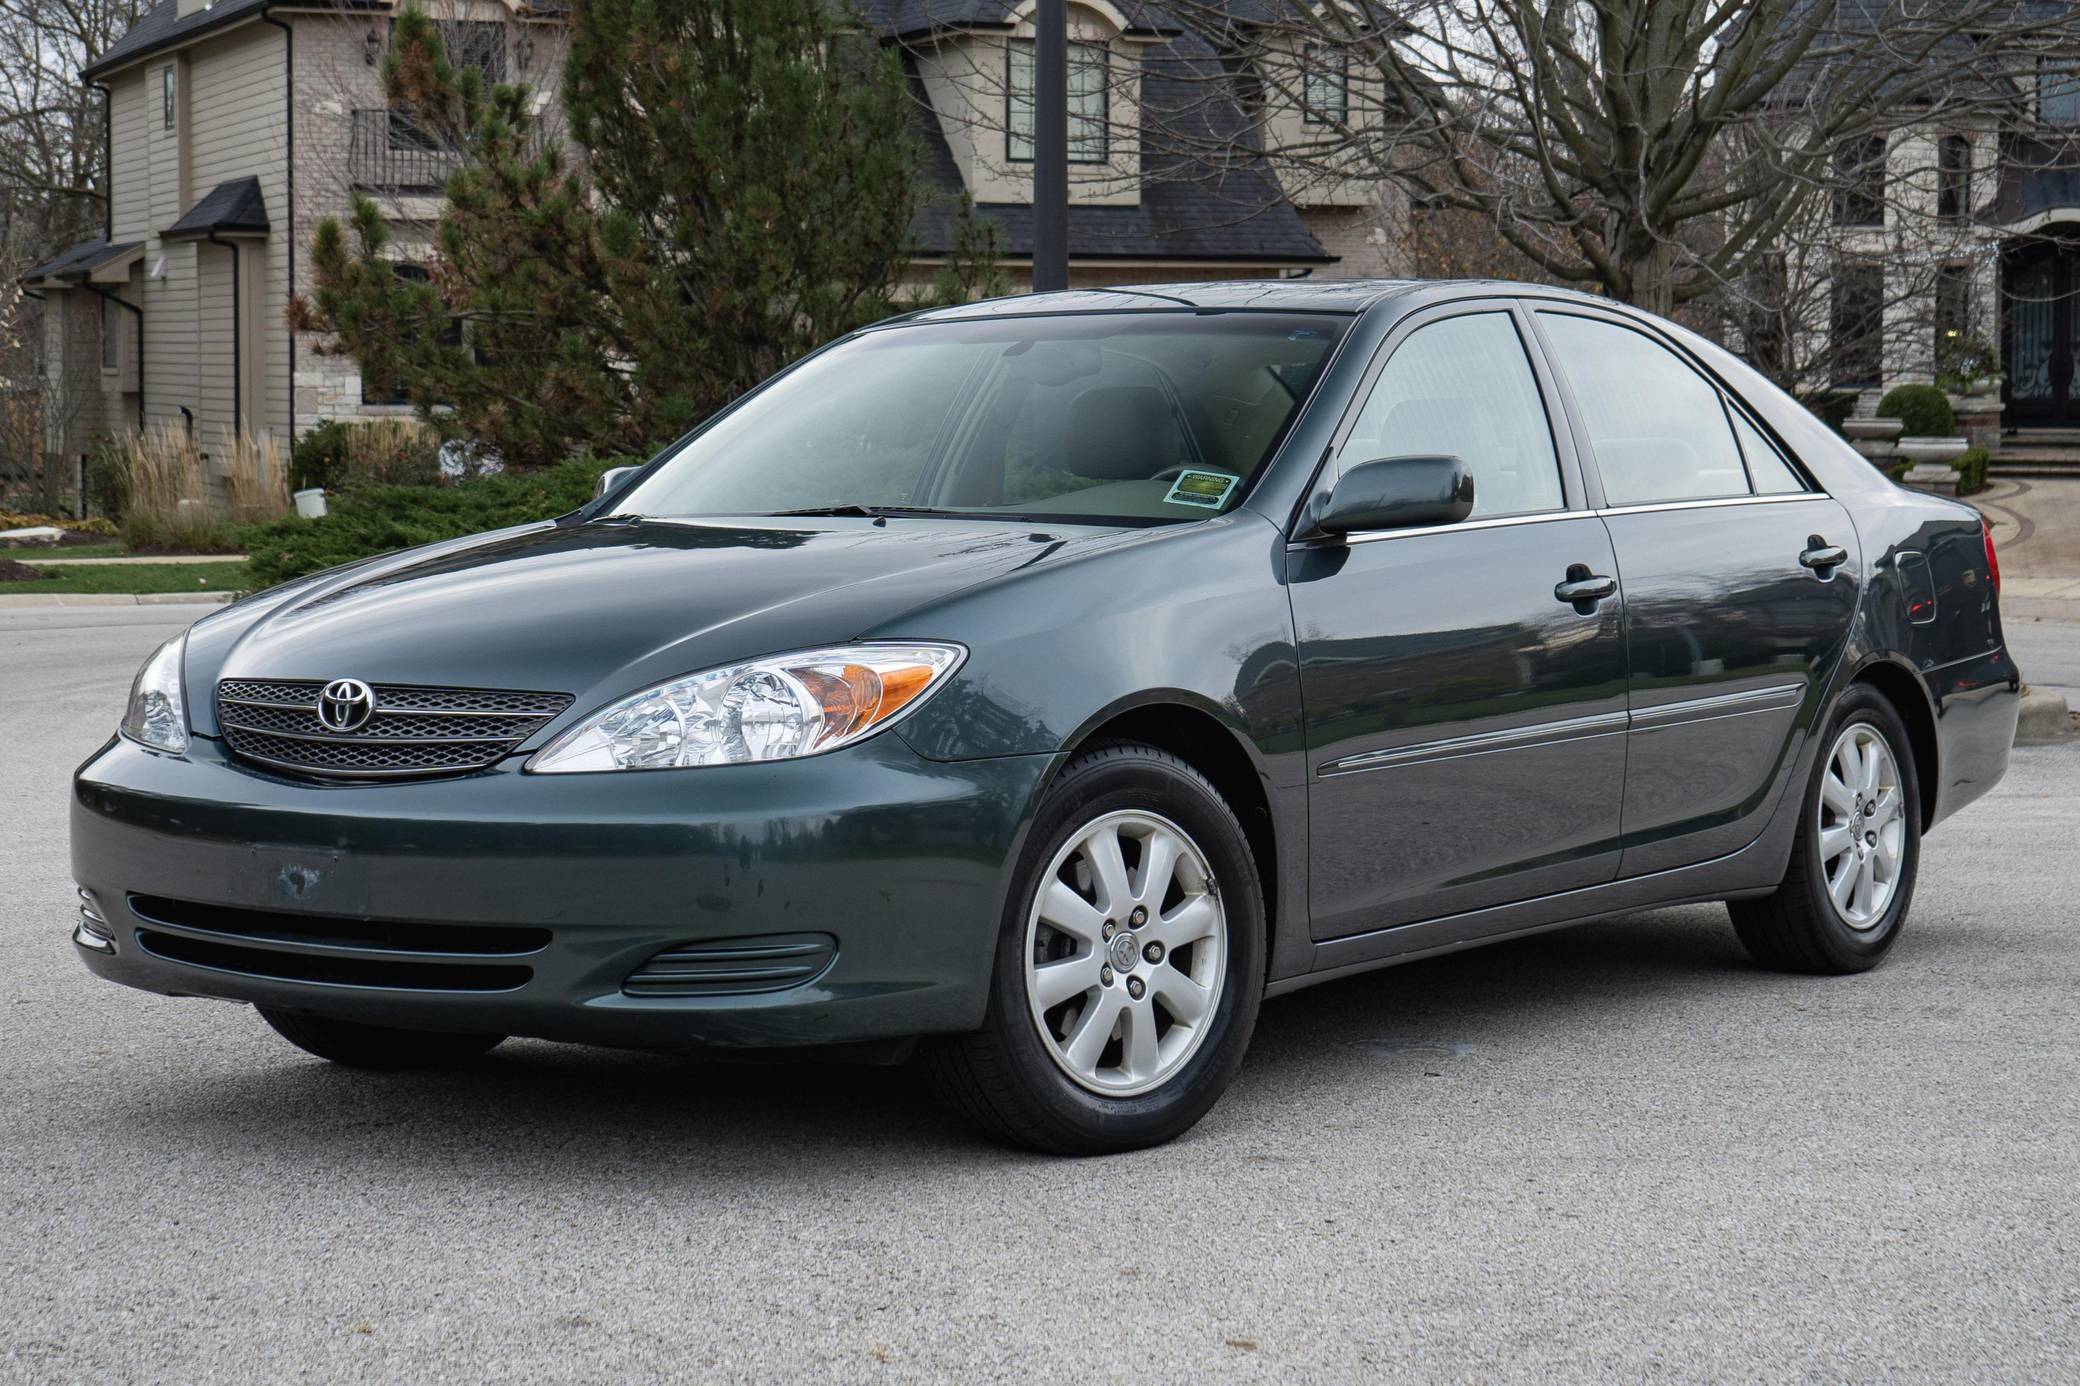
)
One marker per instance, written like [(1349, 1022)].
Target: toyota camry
[(1043, 684)]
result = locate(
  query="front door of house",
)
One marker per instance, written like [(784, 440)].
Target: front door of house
[(2038, 284)]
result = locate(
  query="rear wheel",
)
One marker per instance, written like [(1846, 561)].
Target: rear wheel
[(374, 1046), (1129, 964), (1846, 889)]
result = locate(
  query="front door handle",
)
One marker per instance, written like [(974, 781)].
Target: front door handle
[(1821, 557), (1583, 589)]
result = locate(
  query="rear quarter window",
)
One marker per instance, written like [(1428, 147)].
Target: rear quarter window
[(1656, 427)]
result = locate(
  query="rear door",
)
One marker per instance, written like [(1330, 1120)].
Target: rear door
[(1465, 724), (1740, 579)]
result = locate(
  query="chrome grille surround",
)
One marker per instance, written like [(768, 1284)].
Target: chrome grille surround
[(415, 730)]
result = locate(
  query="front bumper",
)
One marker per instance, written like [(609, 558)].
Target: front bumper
[(903, 860)]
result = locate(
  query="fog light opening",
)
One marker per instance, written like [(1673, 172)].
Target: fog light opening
[(93, 930)]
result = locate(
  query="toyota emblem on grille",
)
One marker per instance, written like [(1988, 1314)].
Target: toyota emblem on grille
[(345, 705)]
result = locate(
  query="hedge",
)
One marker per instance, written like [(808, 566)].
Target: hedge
[(1971, 471), (1924, 410), (378, 519)]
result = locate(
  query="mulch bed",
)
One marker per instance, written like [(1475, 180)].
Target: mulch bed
[(11, 571)]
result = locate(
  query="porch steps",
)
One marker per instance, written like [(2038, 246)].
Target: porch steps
[(2037, 452), (2034, 461)]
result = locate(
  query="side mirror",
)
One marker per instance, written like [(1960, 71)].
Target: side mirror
[(1398, 493), (610, 478)]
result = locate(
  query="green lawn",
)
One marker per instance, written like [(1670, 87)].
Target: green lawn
[(132, 577)]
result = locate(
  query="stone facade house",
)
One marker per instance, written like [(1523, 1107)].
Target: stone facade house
[(235, 126)]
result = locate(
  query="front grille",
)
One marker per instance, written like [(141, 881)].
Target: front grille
[(414, 730), (734, 966), (336, 950)]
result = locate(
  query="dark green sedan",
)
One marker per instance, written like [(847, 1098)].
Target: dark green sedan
[(1044, 683)]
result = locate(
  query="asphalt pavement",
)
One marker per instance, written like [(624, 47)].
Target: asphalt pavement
[(1619, 1152)]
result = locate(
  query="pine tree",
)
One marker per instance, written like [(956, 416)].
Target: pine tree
[(739, 189)]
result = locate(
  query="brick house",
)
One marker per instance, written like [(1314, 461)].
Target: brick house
[(235, 126)]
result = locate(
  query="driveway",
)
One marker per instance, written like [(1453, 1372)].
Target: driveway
[(1617, 1152)]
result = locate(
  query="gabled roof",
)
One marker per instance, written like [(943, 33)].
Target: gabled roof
[(163, 26), (74, 264), (231, 209)]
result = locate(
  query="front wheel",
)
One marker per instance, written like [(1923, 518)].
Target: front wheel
[(1846, 889), (373, 1046), (1129, 963)]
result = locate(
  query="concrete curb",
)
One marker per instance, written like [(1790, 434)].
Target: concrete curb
[(2045, 719), (34, 599)]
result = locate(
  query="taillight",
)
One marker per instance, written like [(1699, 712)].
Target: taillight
[(1993, 562)]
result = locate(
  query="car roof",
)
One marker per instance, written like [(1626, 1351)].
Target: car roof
[(1286, 295)]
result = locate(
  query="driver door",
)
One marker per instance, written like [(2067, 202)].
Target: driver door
[(1465, 725)]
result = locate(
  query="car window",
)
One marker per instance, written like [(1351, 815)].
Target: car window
[(1463, 388), (1656, 425), (1767, 469), (1160, 416)]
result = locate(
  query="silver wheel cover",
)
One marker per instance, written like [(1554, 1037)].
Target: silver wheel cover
[(1126, 950), (1861, 828)]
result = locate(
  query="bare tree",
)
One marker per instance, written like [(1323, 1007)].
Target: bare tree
[(51, 124), (1659, 151)]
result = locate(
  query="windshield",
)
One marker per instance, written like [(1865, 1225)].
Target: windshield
[(1115, 417)]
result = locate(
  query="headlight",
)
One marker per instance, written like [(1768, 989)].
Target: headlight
[(158, 714), (779, 708)]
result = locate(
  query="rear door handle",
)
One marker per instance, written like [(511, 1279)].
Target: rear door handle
[(1822, 557), (1583, 589)]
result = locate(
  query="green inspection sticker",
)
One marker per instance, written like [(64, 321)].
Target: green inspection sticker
[(1209, 489)]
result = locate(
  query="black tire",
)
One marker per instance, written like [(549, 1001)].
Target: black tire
[(1797, 928), (373, 1046), (1003, 1076)]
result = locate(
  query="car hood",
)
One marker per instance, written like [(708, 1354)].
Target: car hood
[(600, 609)]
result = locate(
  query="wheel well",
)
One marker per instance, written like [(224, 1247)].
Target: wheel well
[(1199, 740), (1901, 690)]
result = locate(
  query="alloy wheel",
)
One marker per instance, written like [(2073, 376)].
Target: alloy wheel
[(1125, 953), (1862, 826)]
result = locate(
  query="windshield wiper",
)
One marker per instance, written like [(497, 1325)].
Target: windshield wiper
[(870, 512)]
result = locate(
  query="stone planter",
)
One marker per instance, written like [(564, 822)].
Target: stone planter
[(1872, 429), (1980, 389), (1933, 449), (1934, 477), (1979, 423)]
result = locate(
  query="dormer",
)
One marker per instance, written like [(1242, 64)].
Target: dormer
[(1311, 104), (979, 78)]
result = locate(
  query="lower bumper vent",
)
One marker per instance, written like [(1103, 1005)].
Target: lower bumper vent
[(337, 951), (734, 966)]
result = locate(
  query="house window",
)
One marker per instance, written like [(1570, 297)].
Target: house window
[(111, 335), (1325, 90), (1856, 325), (1953, 316), (1859, 191), (1953, 178), (1089, 96), (2058, 94), (166, 103), (475, 43)]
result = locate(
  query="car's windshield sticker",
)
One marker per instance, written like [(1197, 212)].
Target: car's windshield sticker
[(1209, 489)]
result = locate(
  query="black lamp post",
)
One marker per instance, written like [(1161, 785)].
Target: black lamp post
[(1051, 146)]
